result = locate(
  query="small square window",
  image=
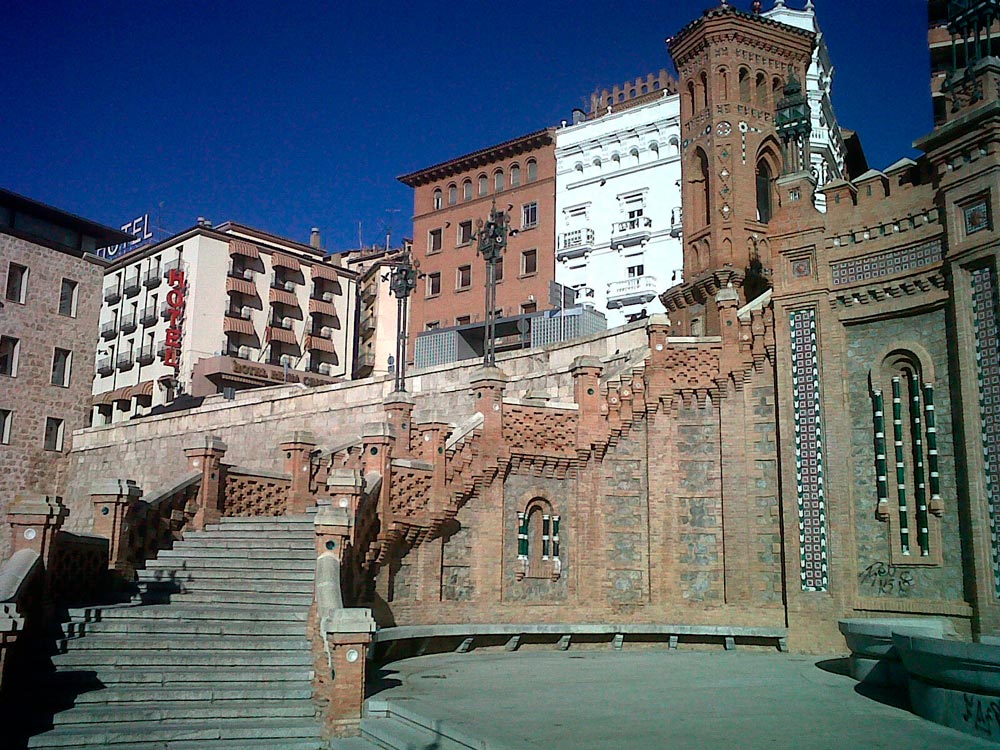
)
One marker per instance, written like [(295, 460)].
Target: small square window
[(463, 277), (61, 361), (434, 241), (529, 262), (53, 434), (433, 284), (463, 320), (529, 215), (465, 233), (17, 283), (432, 325), (498, 272), (67, 297), (9, 350), (6, 417), (529, 307)]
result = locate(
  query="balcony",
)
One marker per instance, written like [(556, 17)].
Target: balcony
[(366, 359), (105, 366), (575, 244), (237, 271), (676, 220), (125, 361), (637, 290), (129, 323), (109, 330), (281, 283), (367, 323), (244, 312), (175, 264), (148, 315), (112, 294), (368, 291), (146, 355), (153, 277), (635, 231), (132, 285), (284, 322)]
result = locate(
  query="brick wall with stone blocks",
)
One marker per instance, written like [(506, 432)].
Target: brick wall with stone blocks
[(31, 396)]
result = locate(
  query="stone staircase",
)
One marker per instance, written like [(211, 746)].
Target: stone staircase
[(214, 656), (400, 725)]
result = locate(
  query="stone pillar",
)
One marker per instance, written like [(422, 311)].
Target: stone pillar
[(347, 634), (34, 520), (587, 394), (114, 501), (399, 413), (488, 386), (333, 531), (207, 458), (345, 487), (297, 449)]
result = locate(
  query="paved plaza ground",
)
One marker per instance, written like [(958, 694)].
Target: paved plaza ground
[(638, 699)]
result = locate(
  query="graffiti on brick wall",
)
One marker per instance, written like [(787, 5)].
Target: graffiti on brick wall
[(883, 578), (254, 496)]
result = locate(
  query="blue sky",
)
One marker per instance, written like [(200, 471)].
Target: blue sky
[(286, 116)]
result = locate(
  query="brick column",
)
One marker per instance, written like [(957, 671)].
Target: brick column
[(114, 501), (433, 436), (399, 413), (34, 520), (296, 450), (488, 386), (345, 487), (348, 632), (207, 458), (587, 394), (333, 531)]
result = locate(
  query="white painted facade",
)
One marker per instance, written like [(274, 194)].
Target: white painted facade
[(236, 298), (618, 213)]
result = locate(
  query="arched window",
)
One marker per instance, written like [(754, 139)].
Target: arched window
[(484, 185), (467, 190), (904, 427), (761, 90), (621, 96), (690, 98), (702, 192), (452, 195), (532, 166), (498, 181), (777, 91), (538, 545), (763, 191), (704, 90), (744, 85), (645, 89), (515, 175), (724, 83), (437, 199)]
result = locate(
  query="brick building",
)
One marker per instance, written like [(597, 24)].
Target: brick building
[(48, 331), (449, 201), (220, 307)]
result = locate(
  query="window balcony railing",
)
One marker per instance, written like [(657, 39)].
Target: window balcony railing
[(146, 355), (129, 323), (637, 290), (278, 282), (105, 366), (285, 323), (148, 315), (112, 294), (634, 231), (244, 312), (367, 323), (132, 285), (125, 361), (239, 272), (366, 359), (575, 244), (168, 267), (109, 330), (153, 277)]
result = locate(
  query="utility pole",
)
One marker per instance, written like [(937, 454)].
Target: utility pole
[(492, 238), (402, 282)]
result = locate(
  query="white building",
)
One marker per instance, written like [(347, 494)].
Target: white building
[(217, 308), (618, 199)]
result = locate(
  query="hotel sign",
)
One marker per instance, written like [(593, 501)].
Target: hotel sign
[(175, 313), (139, 227)]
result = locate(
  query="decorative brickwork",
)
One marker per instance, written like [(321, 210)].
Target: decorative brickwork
[(247, 495), (984, 308), (868, 267), (808, 452), (411, 494)]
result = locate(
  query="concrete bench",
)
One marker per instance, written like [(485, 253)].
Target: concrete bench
[(415, 640)]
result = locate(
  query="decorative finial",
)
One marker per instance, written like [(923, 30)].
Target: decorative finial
[(756, 7), (809, 5), (779, 3)]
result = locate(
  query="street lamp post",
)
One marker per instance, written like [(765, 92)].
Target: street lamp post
[(492, 238), (402, 282)]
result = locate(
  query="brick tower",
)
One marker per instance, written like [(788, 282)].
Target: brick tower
[(733, 68)]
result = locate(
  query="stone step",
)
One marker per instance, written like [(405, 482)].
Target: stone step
[(244, 597), (239, 567), (251, 524), (184, 677), (261, 586), (395, 725), (193, 627), (192, 611), (210, 553), (141, 734), (394, 734), (352, 743), (180, 642), (238, 532), (102, 659), (220, 692), (298, 743), (178, 710), (219, 541), (174, 570)]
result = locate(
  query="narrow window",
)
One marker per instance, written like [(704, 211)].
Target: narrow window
[(498, 180), (532, 166), (744, 85), (452, 195), (6, 417), (17, 283), (529, 262), (761, 90), (498, 270), (763, 192), (434, 241), (465, 232), (703, 194), (484, 183), (437, 199), (9, 350), (463, 277), (53, 434), (704, 90), (515, 176), (529, 215), (433, 284), (67, 297), (467, 190), (61, 359)]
